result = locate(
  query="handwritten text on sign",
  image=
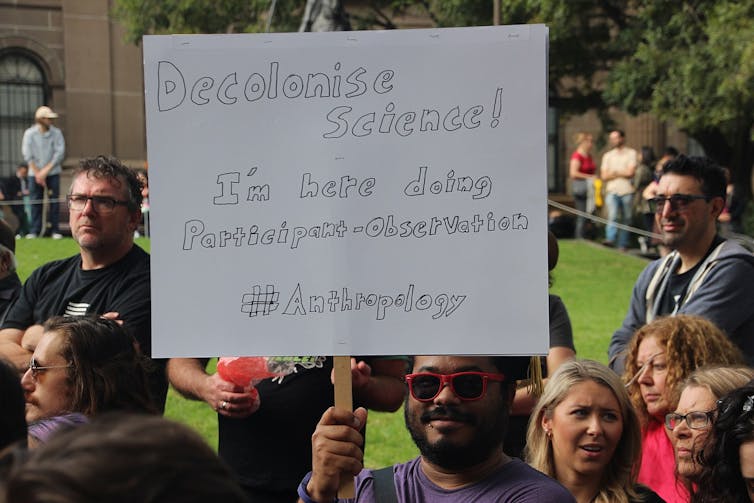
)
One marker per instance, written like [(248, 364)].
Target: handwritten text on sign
[(359, 193), (233, 89)]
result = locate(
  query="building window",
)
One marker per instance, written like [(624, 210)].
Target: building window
[(22, 90)]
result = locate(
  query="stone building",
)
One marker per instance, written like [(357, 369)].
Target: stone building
[(70, 55)]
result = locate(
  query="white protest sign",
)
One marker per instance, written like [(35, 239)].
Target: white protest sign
[(348, 193)]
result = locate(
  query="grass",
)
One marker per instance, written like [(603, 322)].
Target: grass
[(594, 282)]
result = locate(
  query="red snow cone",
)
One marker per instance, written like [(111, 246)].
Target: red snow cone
[(243, 370)]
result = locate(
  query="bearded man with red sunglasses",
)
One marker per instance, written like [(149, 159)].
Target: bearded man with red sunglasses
[(456, 412)]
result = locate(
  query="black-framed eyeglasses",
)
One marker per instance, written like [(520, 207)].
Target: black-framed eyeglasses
[(696, 420), (468, 386), (101, 204), (37, 369), (678, 202)]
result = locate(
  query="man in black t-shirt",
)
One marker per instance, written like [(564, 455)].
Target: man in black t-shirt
[(109, 276)]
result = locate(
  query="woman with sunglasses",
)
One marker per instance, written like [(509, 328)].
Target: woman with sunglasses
[(728, 464), (660, 356), (84, 365), (585, 433), (689, 426)]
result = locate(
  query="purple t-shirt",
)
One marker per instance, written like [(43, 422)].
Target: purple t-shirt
[(514, 482)]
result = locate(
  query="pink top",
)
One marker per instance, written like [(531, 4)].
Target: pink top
[(586, 165), (658, 465)]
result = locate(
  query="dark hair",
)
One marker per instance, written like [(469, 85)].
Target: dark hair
[(115, 171), (123, 458), (107, 371), (7, 236), (12, 406), (670, 151), (721, 480), (703, 169), (647, 155)]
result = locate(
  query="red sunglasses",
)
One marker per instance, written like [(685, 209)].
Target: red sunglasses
[(468, 386)]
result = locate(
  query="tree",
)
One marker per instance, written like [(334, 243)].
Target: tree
[(141, 17), (582, 32), (693, 63), (690, 62)]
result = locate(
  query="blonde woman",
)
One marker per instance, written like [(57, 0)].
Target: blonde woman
[(581, 169), (585, 433)]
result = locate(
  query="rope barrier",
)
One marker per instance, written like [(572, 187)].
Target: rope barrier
[(601, 220), (19, 202)]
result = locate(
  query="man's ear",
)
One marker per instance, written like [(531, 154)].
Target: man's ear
[(718, 205), (135, 220)]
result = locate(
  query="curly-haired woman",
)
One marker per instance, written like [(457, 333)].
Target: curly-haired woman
[(660, 356)]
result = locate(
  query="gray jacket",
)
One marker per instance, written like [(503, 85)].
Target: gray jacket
[(722, 290)]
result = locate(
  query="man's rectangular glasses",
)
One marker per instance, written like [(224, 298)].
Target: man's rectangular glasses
[(678, 202), (426, 386), (101, 204), (37, 369), (696, 420)]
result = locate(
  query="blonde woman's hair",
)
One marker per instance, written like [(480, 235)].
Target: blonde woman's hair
[(619, 478), (581, 136), (690, 342), (718, 379)]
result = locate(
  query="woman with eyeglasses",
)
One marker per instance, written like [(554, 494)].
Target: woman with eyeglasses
[(584, 433), (84, 365), (690, 425), (727, 474), (660, 356)]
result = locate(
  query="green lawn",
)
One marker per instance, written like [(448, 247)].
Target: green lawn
[(594, 283)]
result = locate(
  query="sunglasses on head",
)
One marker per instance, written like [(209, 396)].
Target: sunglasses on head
[(468, 386)]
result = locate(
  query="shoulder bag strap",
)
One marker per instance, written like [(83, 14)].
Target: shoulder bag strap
[(384, 485)]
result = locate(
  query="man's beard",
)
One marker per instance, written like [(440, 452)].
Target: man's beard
[(452, 456)]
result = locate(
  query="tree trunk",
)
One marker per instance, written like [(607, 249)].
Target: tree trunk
[(324, 15)]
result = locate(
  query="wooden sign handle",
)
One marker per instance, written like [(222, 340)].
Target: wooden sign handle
[(344, 400)]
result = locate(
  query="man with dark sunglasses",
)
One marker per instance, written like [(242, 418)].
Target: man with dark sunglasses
[(456, 412), (704, 275)]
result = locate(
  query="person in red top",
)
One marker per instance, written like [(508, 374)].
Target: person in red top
[(581, 169), (660, 356)]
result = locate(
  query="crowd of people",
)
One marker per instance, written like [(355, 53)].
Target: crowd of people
[(628, 180), (670, 419)]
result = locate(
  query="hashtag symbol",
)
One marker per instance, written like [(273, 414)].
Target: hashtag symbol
[(258, 302)]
